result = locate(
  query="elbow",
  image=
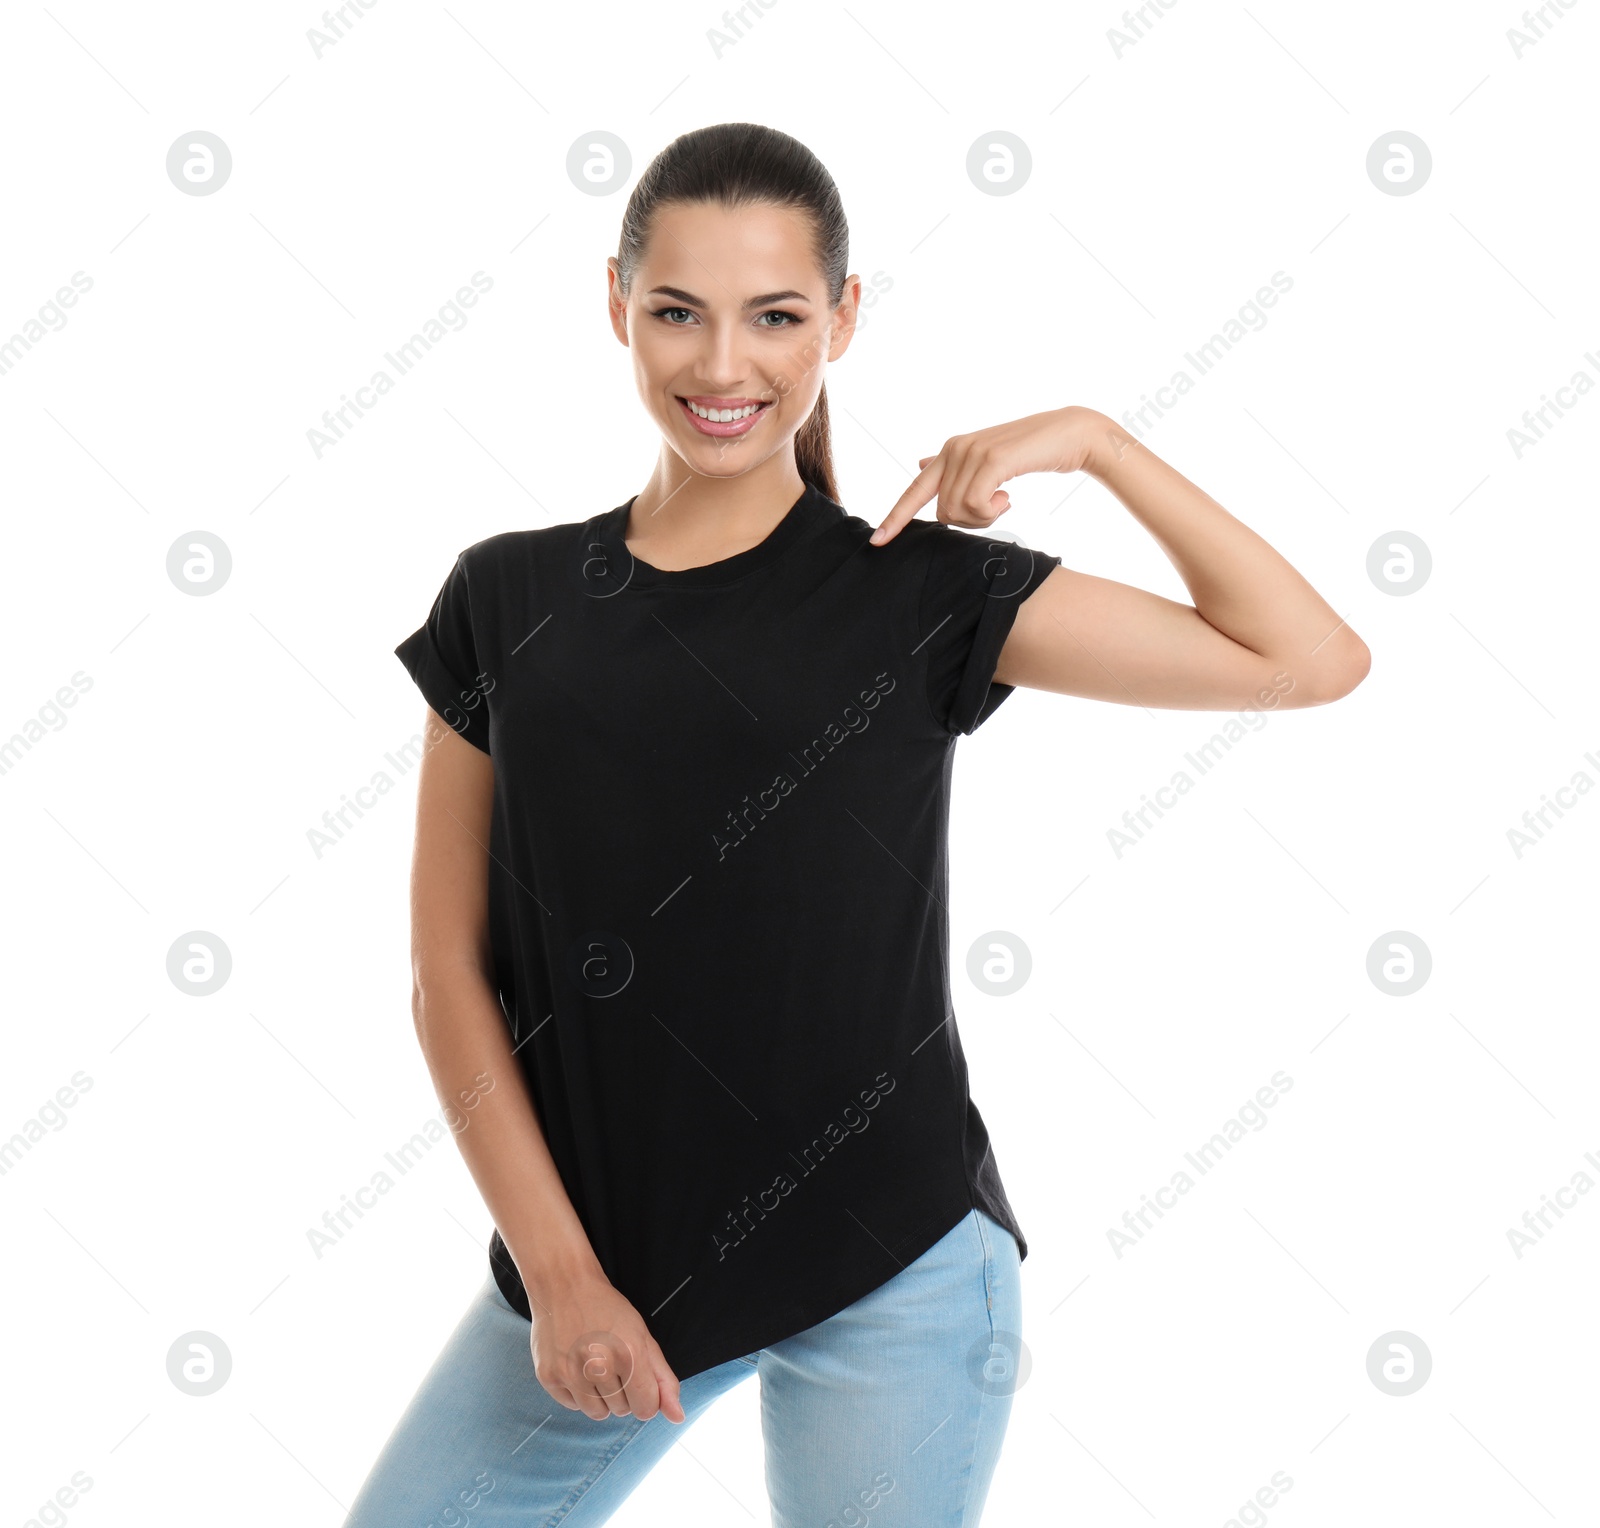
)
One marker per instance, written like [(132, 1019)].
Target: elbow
[(421, 1004), (1338, 679), (441, 983), (427, 999)]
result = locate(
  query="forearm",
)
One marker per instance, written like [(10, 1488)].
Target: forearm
[(1239, 584), (477, 1078)]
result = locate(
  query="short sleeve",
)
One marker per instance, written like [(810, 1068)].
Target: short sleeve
[(441, 655), (972, 588)]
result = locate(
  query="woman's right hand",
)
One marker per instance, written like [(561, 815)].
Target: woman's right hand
[(593, 1353)]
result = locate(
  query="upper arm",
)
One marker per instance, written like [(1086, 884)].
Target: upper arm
[(450, 857), (1094, 637)]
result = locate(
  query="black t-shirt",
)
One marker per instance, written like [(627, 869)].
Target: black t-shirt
[(718, 896)]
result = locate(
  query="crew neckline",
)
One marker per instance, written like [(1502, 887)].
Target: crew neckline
[(633, 570)]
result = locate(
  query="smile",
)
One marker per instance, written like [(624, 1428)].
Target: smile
[(723, 416)]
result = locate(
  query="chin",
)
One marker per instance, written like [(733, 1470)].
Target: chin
[(721, 459), (719, 464)]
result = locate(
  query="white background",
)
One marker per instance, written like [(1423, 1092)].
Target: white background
[(1168, 183)]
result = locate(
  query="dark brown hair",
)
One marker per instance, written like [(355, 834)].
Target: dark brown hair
[(734, 164)]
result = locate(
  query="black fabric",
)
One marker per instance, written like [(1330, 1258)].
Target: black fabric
[(718, 896), (441, 655)]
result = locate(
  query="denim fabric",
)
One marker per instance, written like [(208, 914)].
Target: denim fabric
[(889, 1414)]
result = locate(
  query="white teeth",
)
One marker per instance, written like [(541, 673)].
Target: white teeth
[(723, 416)]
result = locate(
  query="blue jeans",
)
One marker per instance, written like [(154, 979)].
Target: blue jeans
[(888, 1414)]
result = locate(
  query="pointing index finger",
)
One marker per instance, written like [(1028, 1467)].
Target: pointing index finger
[(924, 486)]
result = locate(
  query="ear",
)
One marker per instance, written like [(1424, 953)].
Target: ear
[(616, 303), (843, 318)]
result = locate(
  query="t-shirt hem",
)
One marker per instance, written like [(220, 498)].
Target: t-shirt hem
[(775, 1326), (1001, 1213), (792, 1320)]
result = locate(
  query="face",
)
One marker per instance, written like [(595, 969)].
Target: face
[(728, 314)]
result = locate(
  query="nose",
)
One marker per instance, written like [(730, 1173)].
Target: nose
[(724, 362)]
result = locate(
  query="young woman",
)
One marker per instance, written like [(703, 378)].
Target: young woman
[(679, 895)]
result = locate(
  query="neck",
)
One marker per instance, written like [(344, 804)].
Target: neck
[(682, 515)]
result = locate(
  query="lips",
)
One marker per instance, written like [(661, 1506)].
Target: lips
[(724, 428)]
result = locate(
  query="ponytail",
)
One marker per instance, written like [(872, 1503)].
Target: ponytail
[(813, 449)]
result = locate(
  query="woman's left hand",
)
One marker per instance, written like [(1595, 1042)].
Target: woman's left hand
[(967, 472)]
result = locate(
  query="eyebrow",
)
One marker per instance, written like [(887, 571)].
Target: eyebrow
[(754, 302)]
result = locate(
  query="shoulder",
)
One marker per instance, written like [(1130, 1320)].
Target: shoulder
[(924, 538), (910, 551), (519, 554), (522, 545), (960, 566), (937, 553), (947, 564)]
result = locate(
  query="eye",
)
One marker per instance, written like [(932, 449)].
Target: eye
[(669, 315), (787, 319)]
